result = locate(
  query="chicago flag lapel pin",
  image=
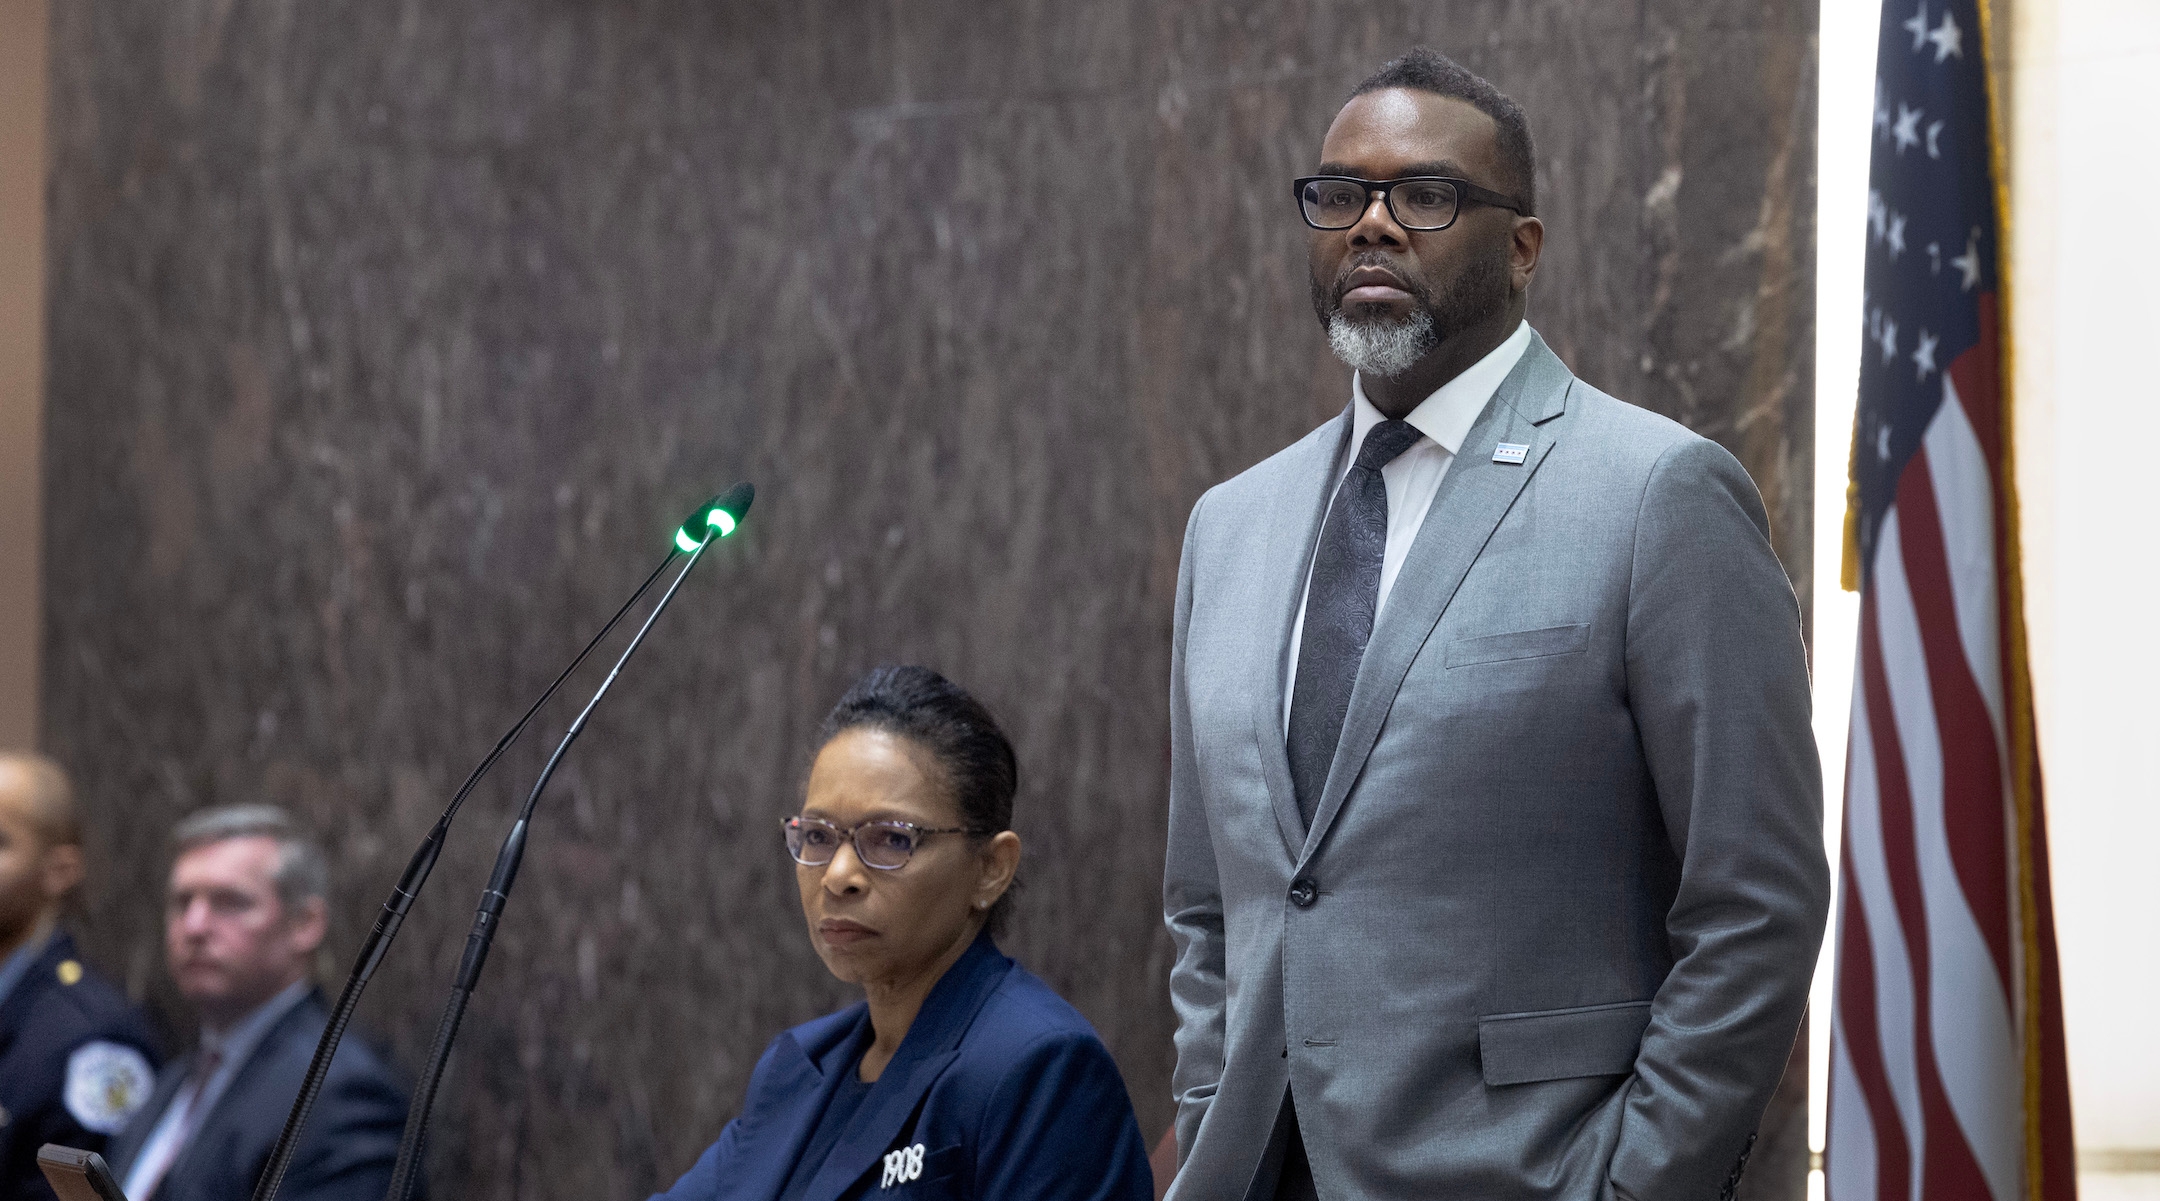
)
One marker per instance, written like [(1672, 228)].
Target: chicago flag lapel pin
[(1510, 452)]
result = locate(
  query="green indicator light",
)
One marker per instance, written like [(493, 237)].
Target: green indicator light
[(716, 518)]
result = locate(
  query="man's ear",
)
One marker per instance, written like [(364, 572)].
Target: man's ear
[(310, 926), (1525, 245), (61, 871)]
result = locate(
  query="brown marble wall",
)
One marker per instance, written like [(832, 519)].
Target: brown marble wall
[(388, 340)]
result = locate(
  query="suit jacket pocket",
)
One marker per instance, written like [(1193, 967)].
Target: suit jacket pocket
[(1560, 1044), (1521, 644)]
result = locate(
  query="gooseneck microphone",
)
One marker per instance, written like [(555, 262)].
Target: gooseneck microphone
[(716, 518)]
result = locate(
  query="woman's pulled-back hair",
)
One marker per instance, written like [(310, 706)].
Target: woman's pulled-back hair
[(942, 718)]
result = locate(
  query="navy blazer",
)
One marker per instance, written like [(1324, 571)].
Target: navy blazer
[(1000, 1090), (50, 1028), (352, 1134)]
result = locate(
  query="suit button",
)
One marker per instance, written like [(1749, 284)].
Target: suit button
[(1303, 892)]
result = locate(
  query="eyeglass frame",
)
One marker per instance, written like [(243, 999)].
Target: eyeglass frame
[(1464, 190), (847, 834)]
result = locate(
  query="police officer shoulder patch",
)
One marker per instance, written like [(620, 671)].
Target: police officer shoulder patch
[(106, 1083)]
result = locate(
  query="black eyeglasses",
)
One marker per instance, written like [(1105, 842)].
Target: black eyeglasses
[(1420, 202), (884, 845)]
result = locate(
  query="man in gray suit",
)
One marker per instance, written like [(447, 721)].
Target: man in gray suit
[(1495, 864)]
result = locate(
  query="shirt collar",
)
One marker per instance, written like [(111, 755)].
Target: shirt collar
[(237, 1043), (1447, 415)]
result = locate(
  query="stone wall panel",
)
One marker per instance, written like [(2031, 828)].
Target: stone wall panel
[(387, 342)]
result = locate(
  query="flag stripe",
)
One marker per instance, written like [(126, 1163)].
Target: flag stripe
[(1865, 1103), (1890, 893), (1910, 761), (1876, 979), (1857, 1171), (1972, 839), (1965, 511), (1961, 847)]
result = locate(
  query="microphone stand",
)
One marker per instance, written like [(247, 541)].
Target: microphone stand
[(415, 877), (378, 941), (487, 919)]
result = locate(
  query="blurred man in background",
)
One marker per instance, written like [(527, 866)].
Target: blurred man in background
[(245, 911), (75, 1057)]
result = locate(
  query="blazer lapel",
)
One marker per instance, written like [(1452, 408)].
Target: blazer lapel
[(793, 1097), (931, 1045), (1473, 499), (246, 1081), (1293, 533)]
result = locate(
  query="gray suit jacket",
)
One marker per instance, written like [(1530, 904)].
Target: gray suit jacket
[(1569, 864)]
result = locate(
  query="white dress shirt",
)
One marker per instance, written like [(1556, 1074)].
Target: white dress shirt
[(185, 1112), (1413, 479)]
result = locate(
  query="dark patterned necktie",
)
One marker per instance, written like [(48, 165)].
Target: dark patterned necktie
[(1339, 607), (207, 1060)]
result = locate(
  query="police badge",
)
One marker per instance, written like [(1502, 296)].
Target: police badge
[(106, 1083)]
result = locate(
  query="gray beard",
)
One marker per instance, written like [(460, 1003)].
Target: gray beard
[(1385, 348)]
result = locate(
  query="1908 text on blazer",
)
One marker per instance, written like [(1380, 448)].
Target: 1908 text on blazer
[(1551, 929)]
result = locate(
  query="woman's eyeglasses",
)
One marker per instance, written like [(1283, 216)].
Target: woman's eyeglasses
[(884, 845)]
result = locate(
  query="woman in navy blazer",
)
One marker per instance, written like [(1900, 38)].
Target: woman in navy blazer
[(960, 1075)]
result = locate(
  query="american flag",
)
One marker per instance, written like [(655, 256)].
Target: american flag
[(1947, 1078)]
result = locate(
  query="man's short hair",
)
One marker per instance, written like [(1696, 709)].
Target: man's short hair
[(1426, 70), (51, 797), (302, 870)]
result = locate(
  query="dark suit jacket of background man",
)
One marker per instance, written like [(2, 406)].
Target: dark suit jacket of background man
[(352, 1135), (1551, 930), (56, 1009)]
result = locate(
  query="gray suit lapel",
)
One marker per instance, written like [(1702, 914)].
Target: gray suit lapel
[(1473, 499), (1293, 532)]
